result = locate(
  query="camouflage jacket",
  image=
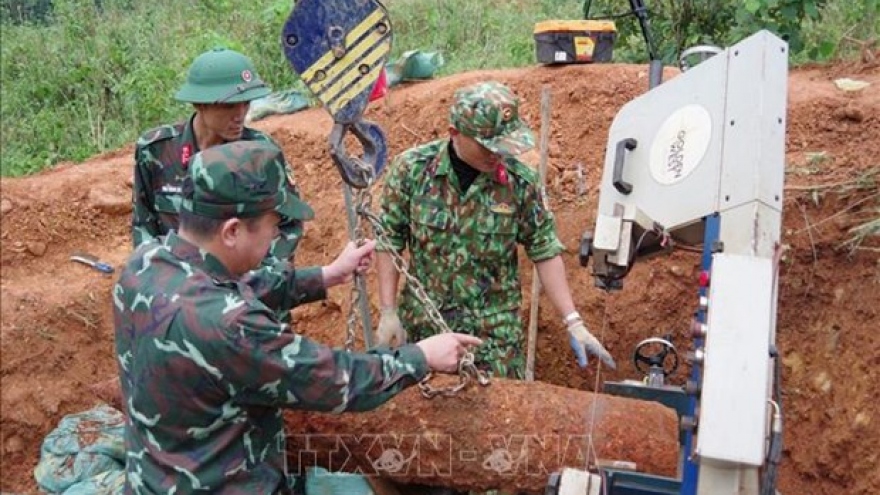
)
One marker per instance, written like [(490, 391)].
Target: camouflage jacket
[(463, 248), (161, 158), (205, 366)]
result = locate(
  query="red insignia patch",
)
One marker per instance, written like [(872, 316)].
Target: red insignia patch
[(501, 174), (185, 155)]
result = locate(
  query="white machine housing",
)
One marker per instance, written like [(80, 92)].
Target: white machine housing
[(710, 141)]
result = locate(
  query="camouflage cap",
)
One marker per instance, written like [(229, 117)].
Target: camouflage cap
[(241, 179), (489, 113)]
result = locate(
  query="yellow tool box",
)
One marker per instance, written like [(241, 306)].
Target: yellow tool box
[(574, 42)]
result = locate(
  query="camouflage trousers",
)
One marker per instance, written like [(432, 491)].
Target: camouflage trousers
[(501, 352)]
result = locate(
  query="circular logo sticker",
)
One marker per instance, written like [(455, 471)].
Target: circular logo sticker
[(507, 114), (680, 144), (246, 75)]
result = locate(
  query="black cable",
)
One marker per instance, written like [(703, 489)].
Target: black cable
[(777, 376), (768, 483), (774, 454), (632, 257), (641, 12), (588, 4)]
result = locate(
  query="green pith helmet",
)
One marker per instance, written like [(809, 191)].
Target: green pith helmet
[(222, 76)]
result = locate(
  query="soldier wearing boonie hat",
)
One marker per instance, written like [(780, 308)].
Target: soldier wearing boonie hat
[(461, 205), (489, 113), (244, 179)]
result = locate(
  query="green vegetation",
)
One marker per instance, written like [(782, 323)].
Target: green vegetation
[(816, 30), (84, 76)]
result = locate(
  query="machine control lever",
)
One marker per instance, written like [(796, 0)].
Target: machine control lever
[(585, 249)]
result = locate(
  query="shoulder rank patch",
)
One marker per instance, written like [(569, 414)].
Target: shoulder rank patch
[(158, 134)]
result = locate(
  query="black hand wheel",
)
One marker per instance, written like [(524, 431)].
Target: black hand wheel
[(656, 352)]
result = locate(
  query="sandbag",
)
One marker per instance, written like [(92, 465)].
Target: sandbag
[(84, 454)]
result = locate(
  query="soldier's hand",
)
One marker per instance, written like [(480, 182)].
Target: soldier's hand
[(444, 350), (583, 342), (353, 259), (390, 332)]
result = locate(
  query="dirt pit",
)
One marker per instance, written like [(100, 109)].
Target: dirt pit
[(57, 337)]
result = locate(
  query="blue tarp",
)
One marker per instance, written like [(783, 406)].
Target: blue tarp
[(85, 454)]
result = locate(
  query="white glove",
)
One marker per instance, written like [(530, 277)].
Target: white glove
[(390, 329), (582, 343)]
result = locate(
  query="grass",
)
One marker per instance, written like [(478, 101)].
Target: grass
[(475, 35), (86, 80)]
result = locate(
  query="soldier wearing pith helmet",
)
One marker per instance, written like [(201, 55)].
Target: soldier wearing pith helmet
[(220, 84)]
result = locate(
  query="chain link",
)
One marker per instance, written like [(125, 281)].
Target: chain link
[(467, 370), (414, 284), (362, 199)]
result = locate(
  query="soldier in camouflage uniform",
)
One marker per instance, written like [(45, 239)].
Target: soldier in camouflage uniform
[(205, 364), (461, 206), (220, 84)]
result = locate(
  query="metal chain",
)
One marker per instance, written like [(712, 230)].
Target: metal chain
[(467, 370), (418, 289), (361, 197)]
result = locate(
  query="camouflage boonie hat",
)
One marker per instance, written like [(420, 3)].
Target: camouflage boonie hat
[(489, 113), (241, 179)]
